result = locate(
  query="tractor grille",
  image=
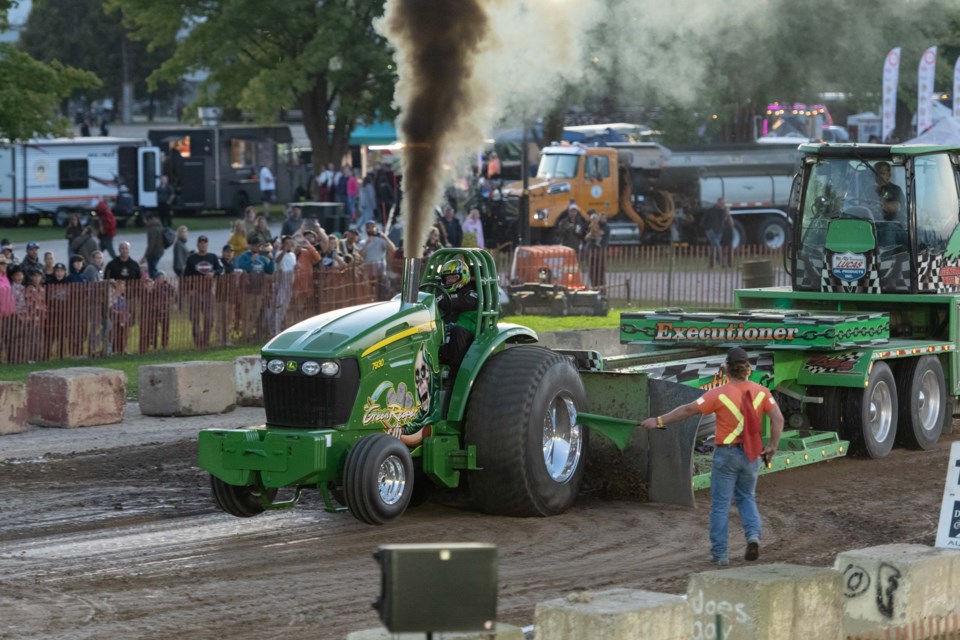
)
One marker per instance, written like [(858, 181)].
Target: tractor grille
[(292, 399)]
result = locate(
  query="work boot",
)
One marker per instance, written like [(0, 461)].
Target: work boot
[(753, 551)]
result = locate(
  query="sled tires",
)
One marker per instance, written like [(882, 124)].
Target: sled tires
[(522, 419), (378, 479), (924, 405), (827, 415), (870, 415), (239, 501)]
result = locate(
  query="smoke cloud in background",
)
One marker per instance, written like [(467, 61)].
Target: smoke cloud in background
[(468, 66), (464, 66)]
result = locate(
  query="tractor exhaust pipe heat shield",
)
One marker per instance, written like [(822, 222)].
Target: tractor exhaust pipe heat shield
[(411, 281)]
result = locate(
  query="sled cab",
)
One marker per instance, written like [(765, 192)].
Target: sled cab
[(877, 219)]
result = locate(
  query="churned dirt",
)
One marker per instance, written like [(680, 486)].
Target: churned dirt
[(124, 542)]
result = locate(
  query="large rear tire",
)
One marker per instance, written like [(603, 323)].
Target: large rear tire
[(243, 502), (378, 479), (924, 406), (522, 418), (870, 416)]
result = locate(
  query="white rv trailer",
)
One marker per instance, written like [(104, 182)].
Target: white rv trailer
[(55, 177)]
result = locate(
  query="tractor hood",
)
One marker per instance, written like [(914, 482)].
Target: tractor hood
[(353, 331)]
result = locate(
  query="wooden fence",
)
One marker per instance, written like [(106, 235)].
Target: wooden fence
[(95, 319), (114, 317)]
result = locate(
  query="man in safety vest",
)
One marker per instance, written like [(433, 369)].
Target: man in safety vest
[(739, 406)]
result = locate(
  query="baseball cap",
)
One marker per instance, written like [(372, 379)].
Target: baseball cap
[(32, 245), (202, 239), (5, 244), (227, 247), (736, 354), (60, 265)]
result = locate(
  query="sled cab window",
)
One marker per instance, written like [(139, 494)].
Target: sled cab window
[(851, 188), (74, 174), (938, 206), (558, 165)]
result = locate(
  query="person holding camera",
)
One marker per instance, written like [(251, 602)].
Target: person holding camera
[(374, 251)]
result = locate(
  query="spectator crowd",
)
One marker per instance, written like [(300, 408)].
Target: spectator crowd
[(102, 300), (103, 303)]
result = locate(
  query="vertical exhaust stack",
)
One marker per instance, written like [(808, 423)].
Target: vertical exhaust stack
[(411, 281)]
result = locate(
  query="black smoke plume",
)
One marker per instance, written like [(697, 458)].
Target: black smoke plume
[(436, 42)]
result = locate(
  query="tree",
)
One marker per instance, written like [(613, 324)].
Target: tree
[(83, 33), (706, 58), (31, 90), (323, 57)]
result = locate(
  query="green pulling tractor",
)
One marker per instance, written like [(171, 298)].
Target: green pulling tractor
[(860, 351)]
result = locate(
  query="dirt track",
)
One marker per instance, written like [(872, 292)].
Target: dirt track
[(125, 543)]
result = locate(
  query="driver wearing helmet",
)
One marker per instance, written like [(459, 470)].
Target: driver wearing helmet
[(455, 279)]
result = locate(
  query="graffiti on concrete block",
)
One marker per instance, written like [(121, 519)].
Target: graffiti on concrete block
[(732, 613), (888, 580), (857, 581)]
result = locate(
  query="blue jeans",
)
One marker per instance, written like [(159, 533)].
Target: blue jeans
[(733, 477), (152, 267)]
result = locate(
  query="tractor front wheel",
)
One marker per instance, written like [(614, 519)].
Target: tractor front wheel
[(378, 479), (870, 416), (240, 501), (924, 408), (522, 418)]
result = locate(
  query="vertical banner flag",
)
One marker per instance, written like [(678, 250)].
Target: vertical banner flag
[(928, 63), (956, 89), (891, 74)]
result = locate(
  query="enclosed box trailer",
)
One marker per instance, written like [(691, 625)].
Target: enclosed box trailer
[(217, 167)]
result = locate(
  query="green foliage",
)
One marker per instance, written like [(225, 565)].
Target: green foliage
[(320, 57), (31, 92), (698, 58), (95, 40)]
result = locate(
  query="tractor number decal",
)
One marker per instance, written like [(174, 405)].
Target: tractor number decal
[(394, 408), (732, 332), (849, 267), (843, 363)]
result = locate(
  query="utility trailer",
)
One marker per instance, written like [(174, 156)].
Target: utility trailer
[(860, 351), (216, 167)]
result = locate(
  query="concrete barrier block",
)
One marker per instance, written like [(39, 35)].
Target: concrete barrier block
[(187, 388), (76, 397), (898, 585), (13, 407), (616, 614), (500, 632), (246, 376), (782, 601)]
